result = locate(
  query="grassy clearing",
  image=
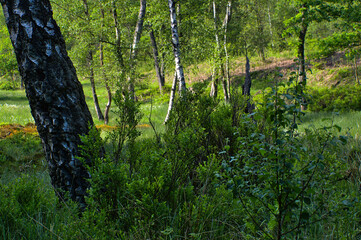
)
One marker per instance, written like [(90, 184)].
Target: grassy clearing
[(348, 121), (14, 108)]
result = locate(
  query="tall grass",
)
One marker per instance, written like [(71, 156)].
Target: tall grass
[(348, 121)]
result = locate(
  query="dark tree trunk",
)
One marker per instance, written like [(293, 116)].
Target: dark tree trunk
[(55, 95), (301, 57), (156, 61), (246, 89), (356, 70), (301, 53)]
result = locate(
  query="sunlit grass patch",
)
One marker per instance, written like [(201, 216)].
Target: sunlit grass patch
[(348, 121)]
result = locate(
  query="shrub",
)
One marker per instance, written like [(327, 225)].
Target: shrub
[(341, 98)]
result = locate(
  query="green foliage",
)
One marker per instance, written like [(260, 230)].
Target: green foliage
[(28, 208), (340, 98), (276, 172)]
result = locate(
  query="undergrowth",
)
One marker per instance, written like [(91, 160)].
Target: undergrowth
[(214, 173)]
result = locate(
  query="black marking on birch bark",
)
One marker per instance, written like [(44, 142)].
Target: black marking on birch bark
[(55, 95)]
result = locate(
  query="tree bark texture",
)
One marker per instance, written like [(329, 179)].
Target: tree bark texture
[(176, 47), (137, 35), (172, 97), (55, 95), (160, 76)]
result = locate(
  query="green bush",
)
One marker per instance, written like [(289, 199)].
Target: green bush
[(341, 98)]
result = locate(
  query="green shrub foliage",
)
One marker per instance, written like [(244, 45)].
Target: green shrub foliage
[(340, 98), (215, 173)]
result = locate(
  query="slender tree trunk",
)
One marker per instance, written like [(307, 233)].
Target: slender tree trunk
[(226, 78), (92, 83), (172, 97), (215, 72), (246, 88), (133, 54), (101, 58), (356, 70), (55, 95), (91, 70), (219, 66), (160, 77), (270, 25), (301, 57), (301, 54), (176, 48), (214, 84), (118, 48), (109, 92)]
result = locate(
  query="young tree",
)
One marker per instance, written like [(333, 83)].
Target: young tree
[(308, 11), (179, 74), (160, 75), (90, 63), (137, 34), (55, 95)]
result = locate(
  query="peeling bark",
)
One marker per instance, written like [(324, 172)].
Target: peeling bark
[(55, 95)]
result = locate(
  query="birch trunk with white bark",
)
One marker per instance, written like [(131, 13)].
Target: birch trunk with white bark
[(55, 95), (134, 51), (176, 47)]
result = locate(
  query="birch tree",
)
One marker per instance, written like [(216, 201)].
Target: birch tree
[(134, 50), (179, 73), (55, 95)]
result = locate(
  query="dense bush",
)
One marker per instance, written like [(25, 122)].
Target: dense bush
[(340, 98)]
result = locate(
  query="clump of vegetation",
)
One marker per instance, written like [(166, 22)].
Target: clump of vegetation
[(341, 98)]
